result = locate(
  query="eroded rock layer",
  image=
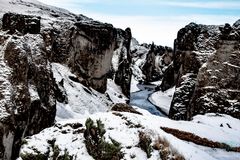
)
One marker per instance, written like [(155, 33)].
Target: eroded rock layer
[(214, 87)]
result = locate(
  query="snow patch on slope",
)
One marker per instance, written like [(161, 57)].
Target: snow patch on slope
[(83, 101), (163, 99), (118, 129)]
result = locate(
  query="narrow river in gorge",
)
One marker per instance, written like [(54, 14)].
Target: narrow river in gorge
[(140, 99)]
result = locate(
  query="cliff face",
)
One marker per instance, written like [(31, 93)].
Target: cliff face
[(195, 46), (28, 102), (121, 62), (86, 47), (91, 50), (150, 61), (28, 90), (218, 82)]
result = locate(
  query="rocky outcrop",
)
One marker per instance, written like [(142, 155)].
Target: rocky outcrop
[(218, 82), (149, 66), (91, 50), (121, 61), (86, 47), (28, 102), (21, 23), (157, 60), (194, 46), (150, 61)]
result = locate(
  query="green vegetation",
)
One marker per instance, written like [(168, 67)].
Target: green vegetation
[(31, 156), (96, 145)]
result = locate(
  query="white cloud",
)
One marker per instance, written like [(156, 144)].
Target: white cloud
[(160, 29), (208, 5), (191, 4)]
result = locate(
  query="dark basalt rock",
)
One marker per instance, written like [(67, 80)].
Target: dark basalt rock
[(21, 23), (182, 96), (123, 73), (210, 89), (149, 66), (218, 83), (168, 79), (32, 105), (153, 68), (91, 52), (87, 48)]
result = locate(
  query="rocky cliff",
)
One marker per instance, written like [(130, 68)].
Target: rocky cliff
[(28, 101), (197, 45), (87, 48), (121, 61), (218, 82), (150, 61), (29, 44)]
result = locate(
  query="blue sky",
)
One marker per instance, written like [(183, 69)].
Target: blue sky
[(154, 20)]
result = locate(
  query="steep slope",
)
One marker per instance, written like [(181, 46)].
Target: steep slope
[(195, 46)]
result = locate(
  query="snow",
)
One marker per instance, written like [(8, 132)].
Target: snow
[(5, 86), (33, 93), (141, 99), (115, 93), (163, 99), (231, 65), (117, 128), (134, 85), (83, 101)]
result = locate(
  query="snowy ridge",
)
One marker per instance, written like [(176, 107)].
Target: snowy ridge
[(117, 128)]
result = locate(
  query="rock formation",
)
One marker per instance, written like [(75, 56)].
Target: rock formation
[(149, 65), (157, 60), (28, 102), (218, 81), (195, 45), (21, 23), (121, 61), (87, 48), (28, 89), (150, 61)]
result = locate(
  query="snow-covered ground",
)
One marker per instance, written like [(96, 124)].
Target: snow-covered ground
[(163, 99), (118, 128), (83, 101)]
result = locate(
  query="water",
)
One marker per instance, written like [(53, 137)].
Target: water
[(140, 99)]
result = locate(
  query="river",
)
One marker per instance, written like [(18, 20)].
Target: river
[(140, 99)]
